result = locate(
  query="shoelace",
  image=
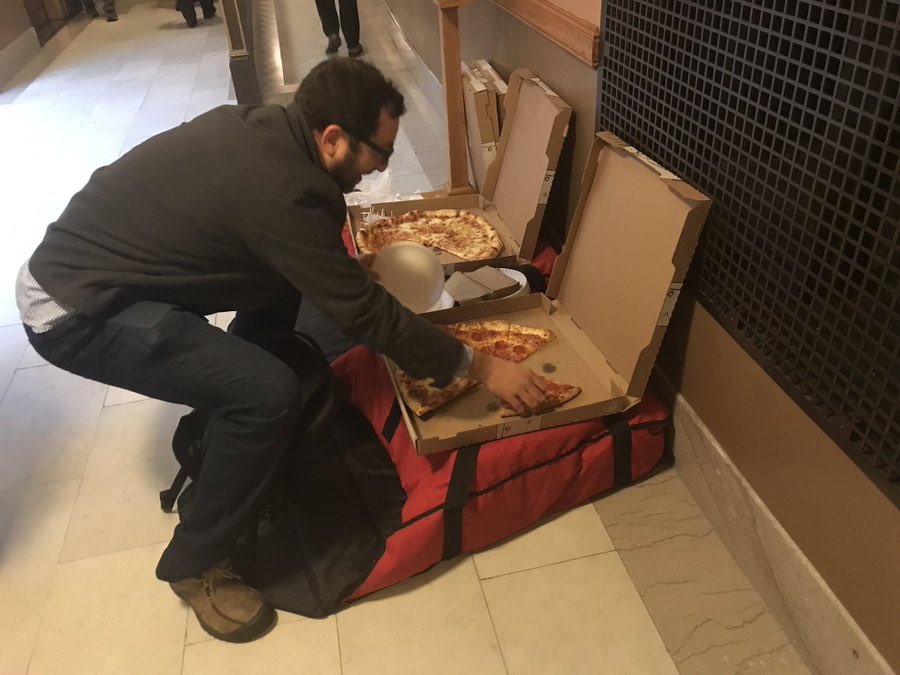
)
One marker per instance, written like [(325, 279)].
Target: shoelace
[(219, 572)]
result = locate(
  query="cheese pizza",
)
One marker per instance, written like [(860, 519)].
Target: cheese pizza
[(461, 233)]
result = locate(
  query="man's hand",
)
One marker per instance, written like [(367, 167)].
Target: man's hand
[(365, 261), (519, 386)]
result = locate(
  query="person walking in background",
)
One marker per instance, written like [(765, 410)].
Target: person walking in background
[(349, 24), (186, 7), (109, 9)]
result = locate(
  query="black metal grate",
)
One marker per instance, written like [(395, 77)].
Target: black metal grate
[(786, 113)]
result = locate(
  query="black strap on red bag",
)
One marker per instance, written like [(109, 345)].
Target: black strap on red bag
[(463, 474), (621, 436), (461, 480)]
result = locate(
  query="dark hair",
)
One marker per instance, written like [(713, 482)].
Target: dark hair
[(347, 92)]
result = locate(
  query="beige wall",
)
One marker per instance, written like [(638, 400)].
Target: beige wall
[(487, 32), (13, 21), (846, 527)]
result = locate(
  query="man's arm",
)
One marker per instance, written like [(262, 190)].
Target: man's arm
[(309, 253), (316, 263)]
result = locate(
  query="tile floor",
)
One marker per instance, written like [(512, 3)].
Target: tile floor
[(81, 463)]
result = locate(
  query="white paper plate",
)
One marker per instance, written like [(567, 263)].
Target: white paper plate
[(518, 276), (446, 301)]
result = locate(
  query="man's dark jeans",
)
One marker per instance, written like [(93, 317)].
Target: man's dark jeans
[(170, 354)]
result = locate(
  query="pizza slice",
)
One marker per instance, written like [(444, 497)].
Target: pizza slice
[(478, 334), (557, 393), (505, 340), (422, 397)]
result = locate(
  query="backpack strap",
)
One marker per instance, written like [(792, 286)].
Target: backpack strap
[(461, 479), (168, 497)]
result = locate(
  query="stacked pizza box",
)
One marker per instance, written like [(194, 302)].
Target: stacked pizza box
[(493, 80), (596, 332), (516, 186), (482, 122)]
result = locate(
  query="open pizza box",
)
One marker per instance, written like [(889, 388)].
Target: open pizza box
[(482, 123), (518, 182), (609, 300)]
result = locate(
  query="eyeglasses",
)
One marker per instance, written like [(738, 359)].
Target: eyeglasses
[(377, 149)]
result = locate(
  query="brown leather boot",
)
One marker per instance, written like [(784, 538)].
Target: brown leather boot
[(225, 606)]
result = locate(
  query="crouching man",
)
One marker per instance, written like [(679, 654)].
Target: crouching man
[(239, 210)]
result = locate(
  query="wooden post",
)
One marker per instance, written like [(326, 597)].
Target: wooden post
[(458, 182)]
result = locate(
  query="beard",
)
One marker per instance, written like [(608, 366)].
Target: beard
[(346, 174)]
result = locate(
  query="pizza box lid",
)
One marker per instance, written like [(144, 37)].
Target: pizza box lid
[(518, 182), (626, 254)]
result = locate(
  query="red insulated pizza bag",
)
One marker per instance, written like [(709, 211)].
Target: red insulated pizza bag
[(470, 498)]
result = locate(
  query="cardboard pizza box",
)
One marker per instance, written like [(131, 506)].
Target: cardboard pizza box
[(485, 283), (482, 125), (609, 301), (518, 182), (499, 84)]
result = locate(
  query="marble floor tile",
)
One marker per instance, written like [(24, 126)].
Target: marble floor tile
[(138, 69), (110, 614), (131, 460), (581, 616), (434, 623), (575, 534), (707, 612), (32, 525), (13, 344), (48, 418), (30, 358), (406, 184), (116, 396), (304, 646)]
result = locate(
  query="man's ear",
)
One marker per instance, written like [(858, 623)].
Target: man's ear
[(331, 139)]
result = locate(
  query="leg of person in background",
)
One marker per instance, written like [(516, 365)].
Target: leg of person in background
[(186, 7), (109, 10), (89, 8), (209, 9), (330, 24), (350, 26)]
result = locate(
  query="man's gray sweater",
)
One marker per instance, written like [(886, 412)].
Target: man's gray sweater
[(227, 212)]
